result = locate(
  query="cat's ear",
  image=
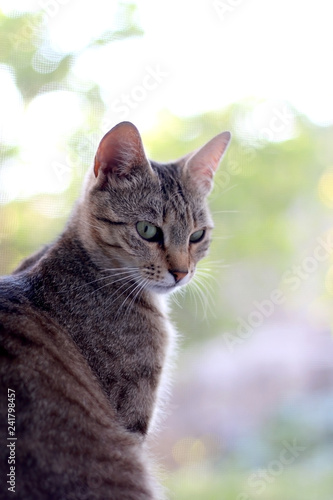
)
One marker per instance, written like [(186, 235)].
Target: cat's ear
[(201, 165), (120, 151)]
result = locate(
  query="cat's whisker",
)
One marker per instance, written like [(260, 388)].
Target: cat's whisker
[(211, 261), (208, 276), (123, 274), (179, 291), (138, 289), (195, 285), (123, 278), (205, 273), (214, 264), (204, 280), (193, 294), (142, 286), (209, 294), (115, 274), (205, 276), (126, 275), (198, 294), (131, 289), (133, 284), (205, 296), (120, 269)]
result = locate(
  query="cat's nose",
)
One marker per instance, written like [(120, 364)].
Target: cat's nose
[(178, 275)]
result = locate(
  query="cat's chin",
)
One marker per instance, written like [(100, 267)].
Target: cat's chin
[(163, 289)]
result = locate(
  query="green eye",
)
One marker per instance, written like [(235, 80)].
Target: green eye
[(197, 236), (147, 231)]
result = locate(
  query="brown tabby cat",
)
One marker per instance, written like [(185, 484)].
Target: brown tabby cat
[(84, 334)]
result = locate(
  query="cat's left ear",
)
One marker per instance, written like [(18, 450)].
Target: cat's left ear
[(201, 165)]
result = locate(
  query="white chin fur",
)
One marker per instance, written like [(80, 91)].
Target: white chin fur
[(163, 288)]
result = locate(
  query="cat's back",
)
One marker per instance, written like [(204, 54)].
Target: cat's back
[(59, 411)]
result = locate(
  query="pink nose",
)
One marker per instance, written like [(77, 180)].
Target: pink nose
[(178, 275)]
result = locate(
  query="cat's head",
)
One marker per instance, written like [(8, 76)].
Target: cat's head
[(150, 219)]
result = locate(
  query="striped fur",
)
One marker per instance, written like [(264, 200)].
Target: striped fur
[(84, 334)]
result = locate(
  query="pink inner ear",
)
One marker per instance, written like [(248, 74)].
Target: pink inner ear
[(202, 165), (119, 150)]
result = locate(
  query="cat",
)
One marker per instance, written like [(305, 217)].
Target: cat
[(84, 332)]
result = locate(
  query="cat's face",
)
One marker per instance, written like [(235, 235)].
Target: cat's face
[(149, 219)]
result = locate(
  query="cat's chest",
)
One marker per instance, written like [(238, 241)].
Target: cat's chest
[(130, 355), (137, 344)]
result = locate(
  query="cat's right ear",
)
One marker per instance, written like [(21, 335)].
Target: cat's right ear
[(119, 152)]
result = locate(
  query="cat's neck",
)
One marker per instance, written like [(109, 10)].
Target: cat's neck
[(66, 272), (116, 333)]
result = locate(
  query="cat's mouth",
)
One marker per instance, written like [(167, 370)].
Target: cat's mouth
[(170, 282)]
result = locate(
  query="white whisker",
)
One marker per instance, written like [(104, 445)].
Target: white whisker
[(127, 274), (131, 285), (191, 288), (204, 279), (117, 281), (119, 269), (209, 294), (138, 288), (214, 264), (199, 294), (179, 291), (208, 276)]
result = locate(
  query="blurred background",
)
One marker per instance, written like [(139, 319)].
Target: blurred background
[(251, 414)]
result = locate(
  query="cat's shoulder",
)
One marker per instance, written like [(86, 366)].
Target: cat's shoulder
[(12, 295)]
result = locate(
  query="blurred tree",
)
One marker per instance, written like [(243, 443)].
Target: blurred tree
[(25, 47), (27, 53)]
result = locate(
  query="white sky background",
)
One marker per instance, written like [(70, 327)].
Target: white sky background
[(206, 54)]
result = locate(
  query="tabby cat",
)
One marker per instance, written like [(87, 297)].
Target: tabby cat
[(84, 334)]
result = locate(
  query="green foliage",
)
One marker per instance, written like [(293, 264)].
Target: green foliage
[(123, 31), (35, 64), (26, 50), (37, 67)]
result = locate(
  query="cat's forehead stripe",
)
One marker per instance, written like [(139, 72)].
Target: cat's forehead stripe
[(176, 198)]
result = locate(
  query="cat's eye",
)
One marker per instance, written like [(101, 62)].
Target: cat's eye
[(148, 232), (197, 236)]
